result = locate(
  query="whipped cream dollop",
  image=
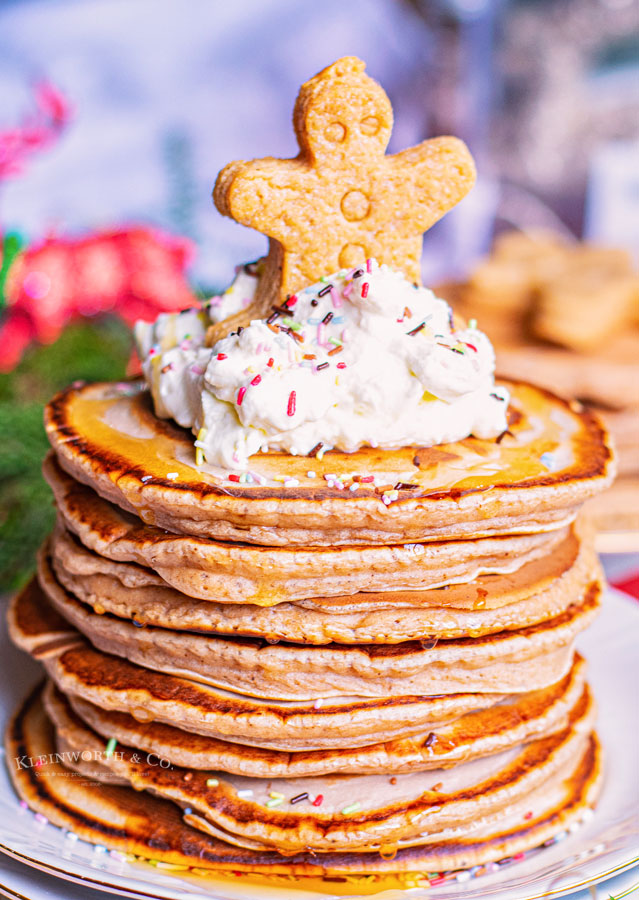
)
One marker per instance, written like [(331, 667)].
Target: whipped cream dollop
[(363, 357)]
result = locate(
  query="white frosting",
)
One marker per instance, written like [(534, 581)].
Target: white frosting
[(385, 387), (238, 296)]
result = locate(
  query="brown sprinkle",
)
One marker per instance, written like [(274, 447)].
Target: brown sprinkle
[(316, 449)]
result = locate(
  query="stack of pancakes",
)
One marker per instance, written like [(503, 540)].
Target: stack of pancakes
[(366, 668)]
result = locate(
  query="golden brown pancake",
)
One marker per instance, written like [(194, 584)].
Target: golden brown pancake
[(414, 808), (134, 822), (114, 683), (230, 572), (534, 479), (517, 719), (509, 661), (537, 591)]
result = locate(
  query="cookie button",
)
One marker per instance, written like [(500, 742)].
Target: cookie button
[(355, 206), (352, 254), (369, 126), (335, 132)]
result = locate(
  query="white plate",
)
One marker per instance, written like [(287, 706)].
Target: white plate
[(604, 848)]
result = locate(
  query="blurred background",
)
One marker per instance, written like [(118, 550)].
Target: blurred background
[(116, 115)]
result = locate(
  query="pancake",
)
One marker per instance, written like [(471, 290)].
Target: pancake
[(518, 719), (537, 591), (414, 808), (126, 820), (509, 661), (116, 684), (232, 572), (555, 457)]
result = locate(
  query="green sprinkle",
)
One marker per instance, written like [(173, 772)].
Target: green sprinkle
[(335, 341), (110, 747), (350, 808), (324, 279), (274, 801), (472, 323), (212, 782)]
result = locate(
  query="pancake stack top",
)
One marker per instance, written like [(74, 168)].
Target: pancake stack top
[(351, 651)]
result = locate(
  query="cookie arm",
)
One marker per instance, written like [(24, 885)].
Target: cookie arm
[(261, 194), (431, 178)]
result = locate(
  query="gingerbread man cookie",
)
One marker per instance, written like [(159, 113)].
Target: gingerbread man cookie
[(342, 199)]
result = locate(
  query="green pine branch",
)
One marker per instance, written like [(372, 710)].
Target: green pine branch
[(91, 350)]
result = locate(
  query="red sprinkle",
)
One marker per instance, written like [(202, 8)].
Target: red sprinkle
[(472, 346), (365, 289), (234, 478), (257, 379), (270, 362), (240, 395), (290, 409), (222, 356), (341, 365), (366, 479), (291, 301), (438, 880), (519, 856), (318, 800), (528, 815), (368, 265)]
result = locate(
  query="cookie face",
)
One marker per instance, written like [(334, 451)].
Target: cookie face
[(341, 115), (342, 200)]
